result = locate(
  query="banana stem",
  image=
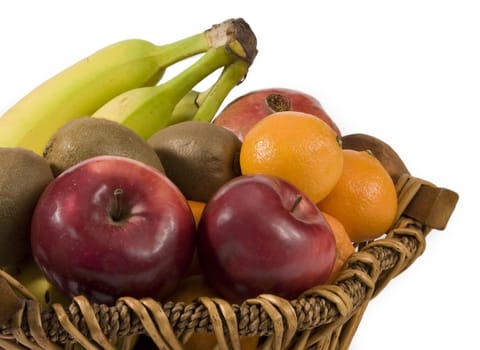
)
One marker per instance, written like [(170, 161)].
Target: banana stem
[(181, 84), (231, 76), (171, 53), (235, 34)]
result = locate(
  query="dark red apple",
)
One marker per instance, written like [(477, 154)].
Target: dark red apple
[(260, 234), (242, 113), (112, 226)]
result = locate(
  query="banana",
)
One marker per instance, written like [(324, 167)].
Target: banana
[(32, 278), (82, 88), (187, 107), (148, 109)]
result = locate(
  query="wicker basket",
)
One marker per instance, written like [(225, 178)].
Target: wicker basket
[(324, 317)]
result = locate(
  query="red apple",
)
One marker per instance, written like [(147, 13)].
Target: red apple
[(242, 113), (260, 234), (112, 226)]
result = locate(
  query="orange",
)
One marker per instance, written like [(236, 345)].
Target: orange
[(364, 199), (344, 245), (197, 209), (190, 288), (297, 147), (187, 291)]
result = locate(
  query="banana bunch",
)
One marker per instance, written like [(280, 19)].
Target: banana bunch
[(119, 81)]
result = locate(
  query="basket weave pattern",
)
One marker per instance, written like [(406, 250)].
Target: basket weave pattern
[(323, 317)]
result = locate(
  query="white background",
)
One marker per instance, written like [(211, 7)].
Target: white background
[(405, 71)]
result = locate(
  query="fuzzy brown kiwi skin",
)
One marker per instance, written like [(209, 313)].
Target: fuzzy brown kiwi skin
[(87, 137), (24, 175), (198, 157), (380, 149)]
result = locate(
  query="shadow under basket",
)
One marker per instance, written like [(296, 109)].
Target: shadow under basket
[(323, 317)]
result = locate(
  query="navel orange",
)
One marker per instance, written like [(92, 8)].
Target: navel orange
[(297, 147), (364, 199)]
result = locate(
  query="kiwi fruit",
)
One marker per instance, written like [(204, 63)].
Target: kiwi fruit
[(198, 157), (87, 137), (24, 175)]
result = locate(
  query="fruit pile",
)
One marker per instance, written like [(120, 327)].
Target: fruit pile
[(116, 183)]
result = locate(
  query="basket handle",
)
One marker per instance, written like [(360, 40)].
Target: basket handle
[(430, 205)]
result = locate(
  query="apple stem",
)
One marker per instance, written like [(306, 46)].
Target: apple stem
[(117, 209), (278, 102), (295, 204)]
